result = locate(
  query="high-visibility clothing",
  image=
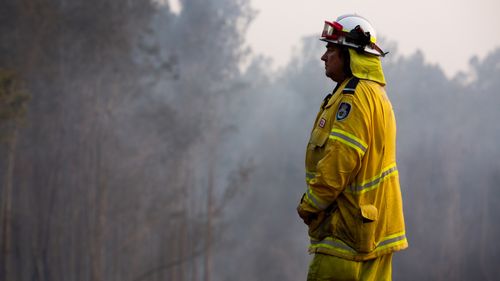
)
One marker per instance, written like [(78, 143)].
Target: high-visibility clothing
[(331, 268), (352, 178), (366, 66)]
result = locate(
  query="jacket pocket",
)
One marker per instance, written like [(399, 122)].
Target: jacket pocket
[(318, 138), (366, 232)]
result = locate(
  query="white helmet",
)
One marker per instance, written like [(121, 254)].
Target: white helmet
[(353, 31)]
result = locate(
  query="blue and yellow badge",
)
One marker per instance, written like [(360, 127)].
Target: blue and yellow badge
[(343, 111)]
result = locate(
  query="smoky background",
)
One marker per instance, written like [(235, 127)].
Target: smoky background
[(135, 146)]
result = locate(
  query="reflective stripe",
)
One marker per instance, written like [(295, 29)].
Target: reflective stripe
[(375, 182), (349, 140), (391, 240), (348, 90), (332, 243), (340, 246), (314, 201), (310, 176), (310, 197)]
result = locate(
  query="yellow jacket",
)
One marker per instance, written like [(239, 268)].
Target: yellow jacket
[(353, 193)]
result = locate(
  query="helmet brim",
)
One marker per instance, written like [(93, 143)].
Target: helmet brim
[(342, 43)]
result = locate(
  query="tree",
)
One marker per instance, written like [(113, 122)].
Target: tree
[(110, 184), (13, 99)]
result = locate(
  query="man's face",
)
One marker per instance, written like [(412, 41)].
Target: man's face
[(334, 64)]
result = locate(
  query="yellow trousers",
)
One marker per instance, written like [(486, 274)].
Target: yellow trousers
[(330, 268)]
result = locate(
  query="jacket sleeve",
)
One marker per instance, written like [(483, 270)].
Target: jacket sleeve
[(347, 144)]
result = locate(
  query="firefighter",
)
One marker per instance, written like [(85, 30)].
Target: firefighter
[(352, 205)]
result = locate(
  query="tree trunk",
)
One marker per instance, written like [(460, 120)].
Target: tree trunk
[(212, 144), (6, 266), (208, 234)]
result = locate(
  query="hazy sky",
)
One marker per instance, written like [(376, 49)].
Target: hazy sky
[(448, 32)]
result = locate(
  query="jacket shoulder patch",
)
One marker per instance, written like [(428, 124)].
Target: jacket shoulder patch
[(343, 111), (322, 123)]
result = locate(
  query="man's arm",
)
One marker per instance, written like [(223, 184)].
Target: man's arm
[(348, 142)]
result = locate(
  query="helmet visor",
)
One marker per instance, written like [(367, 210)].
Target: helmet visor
[(332, 30)]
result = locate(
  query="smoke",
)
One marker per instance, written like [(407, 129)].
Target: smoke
[(148, 154), (446, 156)]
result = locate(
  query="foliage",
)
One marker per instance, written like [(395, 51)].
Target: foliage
[(447, 161), (149, 155), (111, 182)]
